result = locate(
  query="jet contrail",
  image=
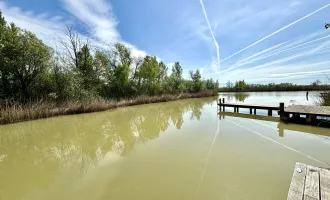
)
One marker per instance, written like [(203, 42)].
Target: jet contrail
[(262, 52), (214, 40), (288, 49), (317, 50), (285, 27), (269, 54)]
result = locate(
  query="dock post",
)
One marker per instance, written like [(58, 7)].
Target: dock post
[(250, 111), (255, 111), (234, 109), (270, 112), (220, 104), (282, 111), (223, 101), (237, 109), (309, 119)]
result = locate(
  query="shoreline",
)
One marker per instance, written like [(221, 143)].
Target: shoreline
[(21, 113), (274, 90)]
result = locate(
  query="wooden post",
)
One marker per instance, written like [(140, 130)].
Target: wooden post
[(234, 109), (309, 119), (220, 104), (270, 112), (255, 111), (251, 111), (223, 101), (238, 109), (282, 111)]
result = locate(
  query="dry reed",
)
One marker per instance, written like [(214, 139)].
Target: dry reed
[(19, 113)]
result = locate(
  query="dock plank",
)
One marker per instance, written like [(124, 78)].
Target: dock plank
[(306, 109), (312, 186), (296, 191), (325, 184)]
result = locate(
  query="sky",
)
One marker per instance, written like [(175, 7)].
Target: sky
[(228, 40)]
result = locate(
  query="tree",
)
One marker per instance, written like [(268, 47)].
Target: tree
[(25, 57), (162, 72), (316, 83), (120, 55), (196, 78), (229, 84), (175, 81), (149, 75)]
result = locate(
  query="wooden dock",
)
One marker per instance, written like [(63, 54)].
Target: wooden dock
[(294, 113), (309, 183)]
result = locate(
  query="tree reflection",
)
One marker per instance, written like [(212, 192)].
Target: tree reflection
[(237, 97), (33, 153)]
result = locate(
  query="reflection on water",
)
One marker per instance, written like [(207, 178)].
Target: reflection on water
[(175, 150), (281, 127), (232, 97), (32, 153)]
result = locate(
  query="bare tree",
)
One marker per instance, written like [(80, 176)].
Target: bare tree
[(138, 62), (73, 46)]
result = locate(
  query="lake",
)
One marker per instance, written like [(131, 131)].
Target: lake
[(174, 150)]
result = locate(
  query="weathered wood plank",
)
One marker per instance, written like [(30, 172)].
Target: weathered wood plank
[(325, 184), (296, 191), (312, 186), (302, 109)]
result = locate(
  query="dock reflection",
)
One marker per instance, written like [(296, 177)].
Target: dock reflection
[(281, 127)]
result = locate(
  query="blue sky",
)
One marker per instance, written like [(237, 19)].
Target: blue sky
[(286, 39)]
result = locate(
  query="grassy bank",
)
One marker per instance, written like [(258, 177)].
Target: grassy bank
[(19, 113)]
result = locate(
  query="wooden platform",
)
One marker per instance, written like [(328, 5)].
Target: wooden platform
[(309, 183), (303, 114), (305, 110)]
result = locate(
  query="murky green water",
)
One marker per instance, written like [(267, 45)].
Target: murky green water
[(176, 150)]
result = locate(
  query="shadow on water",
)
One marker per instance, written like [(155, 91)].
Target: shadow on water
[(282, 127), (32, 153)]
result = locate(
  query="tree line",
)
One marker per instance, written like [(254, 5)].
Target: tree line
[(241, 85), (30, 70)]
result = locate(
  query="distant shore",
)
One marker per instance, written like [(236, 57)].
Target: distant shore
[(280, 89), (20, 113)]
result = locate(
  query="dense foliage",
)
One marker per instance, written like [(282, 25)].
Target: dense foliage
[(30, 70)]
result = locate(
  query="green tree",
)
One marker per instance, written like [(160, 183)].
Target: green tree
[(176, 83), (25, 57), (196, 78)]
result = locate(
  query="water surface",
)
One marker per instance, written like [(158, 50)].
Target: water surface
[(174, 150)]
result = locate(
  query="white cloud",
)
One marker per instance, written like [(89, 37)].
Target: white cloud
[(47, 29), (97, 17)]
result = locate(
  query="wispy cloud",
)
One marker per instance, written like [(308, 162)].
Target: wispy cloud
[(97, 16), (211, 31)]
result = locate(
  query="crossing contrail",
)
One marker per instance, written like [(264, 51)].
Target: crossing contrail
[(214, 40), (288, 49), (269, 54), (274, 33)]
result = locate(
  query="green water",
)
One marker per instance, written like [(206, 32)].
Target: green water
[(175, 150)]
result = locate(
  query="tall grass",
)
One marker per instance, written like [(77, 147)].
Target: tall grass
[(18, 113)]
